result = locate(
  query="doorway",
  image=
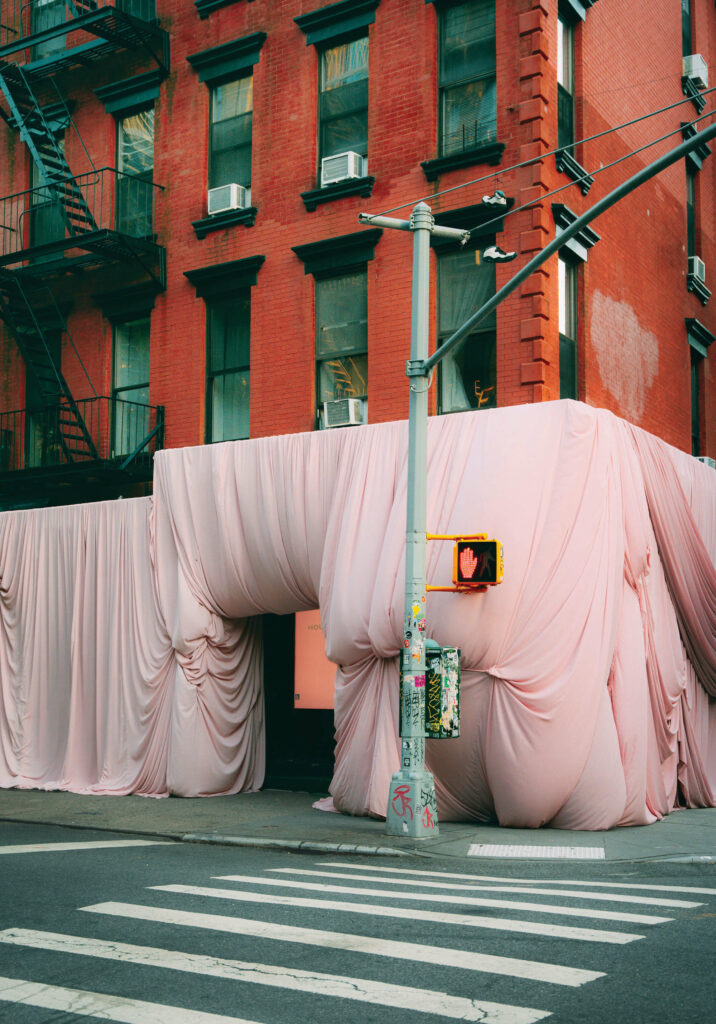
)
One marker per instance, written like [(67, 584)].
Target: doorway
[(300, 742)]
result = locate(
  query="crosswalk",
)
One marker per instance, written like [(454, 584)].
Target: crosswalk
[(275, 927)]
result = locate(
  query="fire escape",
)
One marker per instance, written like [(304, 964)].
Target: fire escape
[(58, 236)]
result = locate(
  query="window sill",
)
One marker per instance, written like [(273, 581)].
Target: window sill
[(566, 162), (490, 153), (339, 189), (218, 221), (698, 288)]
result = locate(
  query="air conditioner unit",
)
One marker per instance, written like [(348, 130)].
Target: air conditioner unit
[(342, 166), (707, 461), (696, 69), (227, 197), (343, 412), (697, 268)]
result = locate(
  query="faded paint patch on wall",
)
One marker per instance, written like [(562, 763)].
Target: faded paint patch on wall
[(627, 354)]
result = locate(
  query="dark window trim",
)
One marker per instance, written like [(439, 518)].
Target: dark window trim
[(700, 337), (222, 279), (693, 284), (490, 153), (338, 190), (578, 246), (575, 9), (227, 219), (334, 257), (230, 60), (574, 170), (206, 7), (689, 89), (130, 94), (134, 303), (694, 159), (339, 22)]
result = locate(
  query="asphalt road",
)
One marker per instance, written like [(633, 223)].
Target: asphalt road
[(174, 933)]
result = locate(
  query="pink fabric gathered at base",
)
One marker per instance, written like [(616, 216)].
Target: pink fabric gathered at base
[(130, 634)]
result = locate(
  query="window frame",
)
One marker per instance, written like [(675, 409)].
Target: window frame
[(322, 120), (124, 217), (445, 87), (213, 87), (119, 391), (213, 304), (324, 357), (568, 320)]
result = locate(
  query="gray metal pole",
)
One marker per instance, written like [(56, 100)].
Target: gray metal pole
[(411, 801)]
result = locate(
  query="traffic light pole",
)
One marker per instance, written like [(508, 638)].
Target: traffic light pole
[(412, 809), (411, 799)]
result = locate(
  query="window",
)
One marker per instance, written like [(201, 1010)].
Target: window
[(230, 133), (686, 28), (130, 386), (46, 14), (228, 329), (690, 212), (468, 101), (42, 435), (696, 364), (568, 323), (467, 376), (343, 101), (342, 337), (565, 83), (135, 163), (47, 223)]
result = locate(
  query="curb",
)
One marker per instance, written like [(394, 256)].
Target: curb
[(294, 844)]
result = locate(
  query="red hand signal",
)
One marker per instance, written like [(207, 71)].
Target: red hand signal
[(468, 563)]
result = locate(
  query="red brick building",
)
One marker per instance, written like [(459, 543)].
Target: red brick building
[(182, 260)]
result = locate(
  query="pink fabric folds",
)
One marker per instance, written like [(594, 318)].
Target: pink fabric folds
[(130, 640)]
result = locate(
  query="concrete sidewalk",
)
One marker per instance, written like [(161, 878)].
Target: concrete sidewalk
[(282, 819)]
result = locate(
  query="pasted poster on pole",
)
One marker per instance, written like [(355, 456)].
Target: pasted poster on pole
[(314, 674)]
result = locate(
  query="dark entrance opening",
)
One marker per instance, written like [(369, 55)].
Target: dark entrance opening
[(299, 742)]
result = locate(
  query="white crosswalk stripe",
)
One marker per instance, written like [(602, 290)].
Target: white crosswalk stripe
[(519, 882), (316, 983), (530, 890), (463, 901), (101, 844), (95, 1004), (502, 924)]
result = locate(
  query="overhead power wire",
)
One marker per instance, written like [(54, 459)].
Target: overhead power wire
[(552, 152), (480, 228)]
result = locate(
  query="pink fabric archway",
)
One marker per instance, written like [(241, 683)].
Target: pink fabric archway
[(130, 655)]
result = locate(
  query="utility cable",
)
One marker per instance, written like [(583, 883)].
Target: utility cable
[(480, 228), (553, 152)]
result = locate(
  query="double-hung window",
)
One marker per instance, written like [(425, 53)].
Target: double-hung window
[(467, 376), (565, 83), (230, 133), (343, 99), (342, 337), (130, 385), (467, 83), (46, 214), (228, 322), (568, 325), (135, 166)]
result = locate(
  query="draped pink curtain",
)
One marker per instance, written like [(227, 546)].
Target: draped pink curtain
[(587, 674)]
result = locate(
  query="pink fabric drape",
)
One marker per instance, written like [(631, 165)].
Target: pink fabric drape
[(587, 685)]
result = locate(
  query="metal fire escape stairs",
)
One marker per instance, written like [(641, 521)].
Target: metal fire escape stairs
[(20, 303), (31, 313)]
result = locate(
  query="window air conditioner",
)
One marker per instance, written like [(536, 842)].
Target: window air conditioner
[(342, 166), (707, 461), (696, 69), (227, 197), (343, 412), (697, 268)]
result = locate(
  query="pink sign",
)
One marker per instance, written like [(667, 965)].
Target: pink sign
[(314, 675)]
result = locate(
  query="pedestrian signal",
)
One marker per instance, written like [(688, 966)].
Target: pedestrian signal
[(477, 563)]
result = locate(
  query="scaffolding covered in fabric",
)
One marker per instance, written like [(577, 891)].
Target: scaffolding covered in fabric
[(130, 639)]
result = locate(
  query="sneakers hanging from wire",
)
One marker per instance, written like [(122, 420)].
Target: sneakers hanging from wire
[(498, 198), (494, 254)]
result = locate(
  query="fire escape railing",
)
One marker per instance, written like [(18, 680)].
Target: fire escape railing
[(69, 212), (122, 432)]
